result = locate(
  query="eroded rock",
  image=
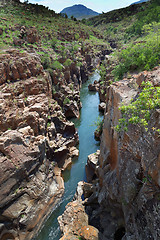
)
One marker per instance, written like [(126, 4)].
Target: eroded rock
[(126, 159), (74, 221), (102, 107), (36, 143), (91, 165)]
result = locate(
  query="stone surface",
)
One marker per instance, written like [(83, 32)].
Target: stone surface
[(129, 168), (93, 87), (71, 110), (91, 165), (122, 198), (74, 221), (102, 107), (36, 144)]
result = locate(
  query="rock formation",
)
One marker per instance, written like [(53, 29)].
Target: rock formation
[(36, 144), (74, 221), (122, 196), (128, 169)]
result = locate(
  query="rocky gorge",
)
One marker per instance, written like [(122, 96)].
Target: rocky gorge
[(45, 62), (121, 198), (37, 141)]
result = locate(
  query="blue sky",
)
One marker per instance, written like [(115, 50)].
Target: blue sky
[(96, 5)]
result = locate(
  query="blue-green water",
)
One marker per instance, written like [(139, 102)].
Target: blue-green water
[(87, 145)]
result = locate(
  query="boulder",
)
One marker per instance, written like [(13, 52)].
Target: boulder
[(74, 221), (93, 87), (32, 35), (91, 165), (71, 110), (102, 107)]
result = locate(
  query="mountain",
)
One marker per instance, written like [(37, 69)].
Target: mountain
[(141, 1), (79, 11)]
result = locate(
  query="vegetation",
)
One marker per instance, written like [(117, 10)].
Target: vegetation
[(54, 34), (149, 15), (141, 56), (66, 101), (139, 111), (99, 124)]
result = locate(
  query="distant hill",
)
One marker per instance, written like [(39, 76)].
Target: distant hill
[(141, 1), (79, 11), (116, 15)]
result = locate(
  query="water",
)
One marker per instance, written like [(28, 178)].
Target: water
[(87, 145)]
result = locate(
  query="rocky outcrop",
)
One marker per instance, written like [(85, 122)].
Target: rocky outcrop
[(93, 87), (91, 165), (122, 196), (102, 107), (128, 168), (36, 144), (74, 221)]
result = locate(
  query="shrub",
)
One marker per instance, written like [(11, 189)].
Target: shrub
[(67, 62), (76, 36), (102, 72), (140, 110), (151, 13), (54, 42), (46, 61), (56, 65), (79, 64), (66, 101), (142, 56), (50, 70), (99, 124)]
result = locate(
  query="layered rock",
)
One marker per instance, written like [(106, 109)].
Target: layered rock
[(128, 168), (122, 196), (36, 144)]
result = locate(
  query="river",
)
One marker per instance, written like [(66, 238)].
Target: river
[(87, 145)]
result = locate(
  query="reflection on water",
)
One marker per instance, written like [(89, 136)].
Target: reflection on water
[(87, 145)]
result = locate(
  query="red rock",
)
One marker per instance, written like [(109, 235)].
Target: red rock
[(127, 160)]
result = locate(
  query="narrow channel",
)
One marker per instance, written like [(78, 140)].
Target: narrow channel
[(87, 145)]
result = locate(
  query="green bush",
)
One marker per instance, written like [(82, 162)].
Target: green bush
[(46, 61), (76, 36), (140, 110), (53, 42), (67, 62), (142, 56), (66, 101), (102, 72), (50, 70), (99, 124), (56, 65), (151, 13)]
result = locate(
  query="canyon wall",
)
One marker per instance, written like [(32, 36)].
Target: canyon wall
[(122, 196), (37, 142), (129, 167)]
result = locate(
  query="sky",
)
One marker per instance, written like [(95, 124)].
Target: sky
[(96, 5)]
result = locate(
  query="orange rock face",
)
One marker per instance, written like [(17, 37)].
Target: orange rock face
[(74, 221), (129, 166)]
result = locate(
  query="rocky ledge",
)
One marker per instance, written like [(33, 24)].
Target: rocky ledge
[(36, 144), (74, 221), (122, 196)]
